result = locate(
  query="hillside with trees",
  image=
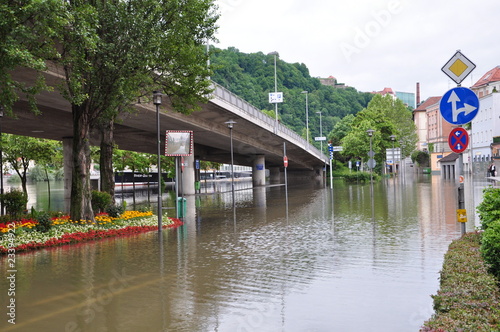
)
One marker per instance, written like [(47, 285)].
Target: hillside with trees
[(251, 76)]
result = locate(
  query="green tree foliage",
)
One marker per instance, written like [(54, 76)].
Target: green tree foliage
[(489, 209), (18, 151), (386, 116), (114, 52), (422, 158), (251, 76), (27, 35)]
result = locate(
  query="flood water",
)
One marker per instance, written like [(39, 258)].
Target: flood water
[(351, 259)]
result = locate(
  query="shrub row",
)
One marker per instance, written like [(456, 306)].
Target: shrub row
[(468, 298), (354, 177)]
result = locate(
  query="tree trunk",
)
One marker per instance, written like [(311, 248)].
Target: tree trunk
[(106, 159), (81, 194)]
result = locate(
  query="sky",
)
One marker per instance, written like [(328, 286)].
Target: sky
[(368, 44)]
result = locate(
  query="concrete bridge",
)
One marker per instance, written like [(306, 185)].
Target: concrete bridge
[(258, 141)]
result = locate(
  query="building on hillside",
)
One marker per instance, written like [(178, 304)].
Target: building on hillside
[(420, 119), (332, 81), (408, 98), (489, 83), (386, 91)]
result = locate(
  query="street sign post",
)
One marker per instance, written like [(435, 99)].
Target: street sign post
[(459, 105), (458, 140)]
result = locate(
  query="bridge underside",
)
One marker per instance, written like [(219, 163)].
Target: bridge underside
[(137, 131)]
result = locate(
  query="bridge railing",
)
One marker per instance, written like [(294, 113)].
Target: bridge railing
[(228, 96)]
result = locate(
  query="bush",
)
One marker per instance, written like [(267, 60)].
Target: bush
[(44, 222), (489, 209), (100, 200), (468, 298), (490, 248), (115, 211), (15, 202), (354, 177), (421, 158)]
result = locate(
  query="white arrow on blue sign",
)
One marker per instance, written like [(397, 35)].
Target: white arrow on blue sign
[(459, 105)]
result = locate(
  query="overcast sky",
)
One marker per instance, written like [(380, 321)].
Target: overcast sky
[(369, 44)]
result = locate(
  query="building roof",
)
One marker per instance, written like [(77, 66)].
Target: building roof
[(428, 102), (385, 92), (491, 76), (451, 157)]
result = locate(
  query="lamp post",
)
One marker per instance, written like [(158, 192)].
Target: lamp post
[(370, 134), (393, 138), (307, 118), (230, 125), (157, 102), (403, 164), (275, 54), (1, 162), (320, 131)]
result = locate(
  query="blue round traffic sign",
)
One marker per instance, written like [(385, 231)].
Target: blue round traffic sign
[(459, 105), (458, 140)]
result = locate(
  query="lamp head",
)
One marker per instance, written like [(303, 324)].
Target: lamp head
[(157, 97), (230, 124), (370, 132)]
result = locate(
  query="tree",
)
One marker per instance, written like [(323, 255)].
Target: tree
[(115, 52), (386, 116), (19, 151), (27, 38)]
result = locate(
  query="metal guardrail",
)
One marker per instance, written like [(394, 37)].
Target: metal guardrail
[(252, 111)]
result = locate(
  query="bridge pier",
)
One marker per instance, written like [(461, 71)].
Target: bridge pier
[(187, 186), (259, 171)]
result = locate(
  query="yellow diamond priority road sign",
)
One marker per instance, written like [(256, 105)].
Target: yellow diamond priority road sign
[(458, 67)]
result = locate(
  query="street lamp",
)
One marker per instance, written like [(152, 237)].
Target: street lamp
[(157, 101), (275, 54), (307, 118), (230, 125), (320, 130), (370, 134), (393, 138), (1, 162)]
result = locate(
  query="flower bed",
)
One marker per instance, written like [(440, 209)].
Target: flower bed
[(21, 236)]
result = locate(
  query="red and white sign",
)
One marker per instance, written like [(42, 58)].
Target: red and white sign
[(285, 161), (458, 140)]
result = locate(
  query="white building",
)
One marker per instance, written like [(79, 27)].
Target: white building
[(485, 127), (485, 134)]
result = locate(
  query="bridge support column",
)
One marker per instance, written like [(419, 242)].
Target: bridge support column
[(259, 171), (188, 187), (274, 175), (68, 170)]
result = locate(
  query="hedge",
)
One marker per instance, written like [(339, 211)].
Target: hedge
[(468, 298)]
